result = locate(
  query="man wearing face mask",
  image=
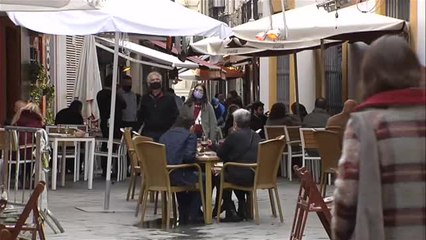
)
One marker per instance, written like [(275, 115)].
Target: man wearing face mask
[(158, 110), (129, 118)]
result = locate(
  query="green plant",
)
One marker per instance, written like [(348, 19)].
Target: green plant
[(41, 88)]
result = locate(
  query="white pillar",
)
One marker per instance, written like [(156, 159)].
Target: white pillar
[(306, 76), (264, 78)]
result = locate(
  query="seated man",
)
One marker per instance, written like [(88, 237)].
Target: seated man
[(181, 148), (240, 146), (319, 116)]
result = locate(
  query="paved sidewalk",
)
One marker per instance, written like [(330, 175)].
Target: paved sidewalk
[(122, 224)]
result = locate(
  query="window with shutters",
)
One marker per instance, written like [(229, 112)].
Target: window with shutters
[(74, 46), (398, 9), (333, 78), (283, 80)]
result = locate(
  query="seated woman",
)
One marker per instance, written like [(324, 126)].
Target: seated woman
[(279, 116), (240, 146), (181, 148)]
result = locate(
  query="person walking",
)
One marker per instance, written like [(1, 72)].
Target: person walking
[(205, 122), (380, 188)]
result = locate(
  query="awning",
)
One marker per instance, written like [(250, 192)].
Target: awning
[(48, 5), (207, 70), (157, 56), (194, 59)]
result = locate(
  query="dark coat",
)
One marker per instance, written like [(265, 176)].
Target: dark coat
[(68, 116), (240, 146), (258, 122), (104, 103), (181, 147), (157, 114)]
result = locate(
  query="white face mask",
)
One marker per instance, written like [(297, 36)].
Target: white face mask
[(197, 94)]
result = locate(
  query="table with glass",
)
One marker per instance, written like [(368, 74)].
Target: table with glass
[(209, 159)]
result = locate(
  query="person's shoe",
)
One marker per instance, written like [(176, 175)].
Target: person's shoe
[(243, 212), (183, 219), (231, 216), (214, 213)]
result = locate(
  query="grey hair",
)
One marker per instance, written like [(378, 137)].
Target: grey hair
[(242, 118), (154, 73)]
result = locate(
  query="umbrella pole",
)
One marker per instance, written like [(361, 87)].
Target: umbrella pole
[(111, 123), (296, 85)]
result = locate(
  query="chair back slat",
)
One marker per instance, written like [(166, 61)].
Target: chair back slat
[(131, 143), (330, 148), (268, 160), (292, 134), (152, 155), (339, 130), (272, 132), (308, 139)]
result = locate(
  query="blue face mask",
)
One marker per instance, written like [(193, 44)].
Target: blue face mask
[(197, 94)]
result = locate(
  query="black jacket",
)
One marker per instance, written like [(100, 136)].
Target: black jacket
[(157, 114), (67, 116), (240, 146), (104, 103)]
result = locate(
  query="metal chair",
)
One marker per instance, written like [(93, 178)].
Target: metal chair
[(266, 168), (118, 153), (293, 141), (310, 151), (309, 200)]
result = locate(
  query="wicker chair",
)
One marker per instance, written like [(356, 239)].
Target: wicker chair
[(330, 149), (157, 177), (266, 168), (135, 170)]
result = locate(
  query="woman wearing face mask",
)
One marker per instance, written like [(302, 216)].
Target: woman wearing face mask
[(203, 113)]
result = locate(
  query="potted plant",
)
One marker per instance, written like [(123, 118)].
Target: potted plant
[(40, 87)]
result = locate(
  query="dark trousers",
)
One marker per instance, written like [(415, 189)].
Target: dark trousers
[(189, 204), (104, 147), (227, 197)]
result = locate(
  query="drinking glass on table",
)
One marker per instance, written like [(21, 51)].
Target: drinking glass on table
[(204, 143)]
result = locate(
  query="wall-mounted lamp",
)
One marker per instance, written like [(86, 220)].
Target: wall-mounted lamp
[(127, 67)]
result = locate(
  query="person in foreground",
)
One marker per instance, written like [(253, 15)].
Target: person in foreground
[(380, 189), (181, 147), (240, 146)]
